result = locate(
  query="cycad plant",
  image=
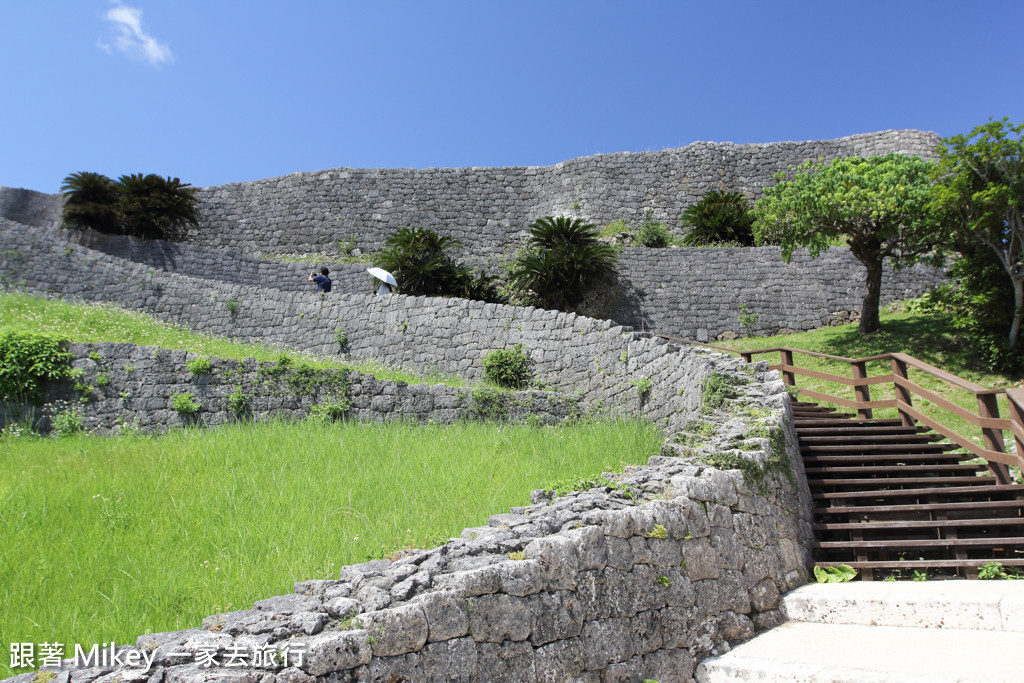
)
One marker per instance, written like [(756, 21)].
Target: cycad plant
[(719, 218), (156, 208), (140, 205), (90, 201), (562, 262)]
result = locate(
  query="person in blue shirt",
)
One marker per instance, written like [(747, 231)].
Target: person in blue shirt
[(323, 283)]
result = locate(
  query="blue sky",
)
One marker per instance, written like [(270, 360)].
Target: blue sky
[(218, 91)]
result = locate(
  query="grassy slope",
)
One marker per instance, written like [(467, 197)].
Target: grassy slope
[(82, 322), (110, 538), (926, 337)]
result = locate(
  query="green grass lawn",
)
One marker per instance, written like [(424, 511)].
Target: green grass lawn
[(108, 538), (924, 336), (87, 322)]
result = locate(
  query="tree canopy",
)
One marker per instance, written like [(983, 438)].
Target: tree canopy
[(879, 206), (980, 195)]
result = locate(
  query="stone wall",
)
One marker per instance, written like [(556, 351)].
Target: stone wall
[(487, 209), (641, 576), (131, 386), (600, 360), (689, 293), (697, 293)]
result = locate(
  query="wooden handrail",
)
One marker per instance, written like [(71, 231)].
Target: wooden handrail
[(987, 418)]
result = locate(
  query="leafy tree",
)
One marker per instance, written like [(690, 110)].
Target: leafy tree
[(90, 201), (417, 258), (719, 217), (980, 193), (562, 262), (152, 207), (879, 205)]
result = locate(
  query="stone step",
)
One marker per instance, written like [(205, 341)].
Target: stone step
[(961, 604), (802, 652)]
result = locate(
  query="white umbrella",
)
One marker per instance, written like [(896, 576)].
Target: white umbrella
[(383, 276)]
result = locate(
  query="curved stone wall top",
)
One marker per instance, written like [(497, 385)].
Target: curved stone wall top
[(487, 209)]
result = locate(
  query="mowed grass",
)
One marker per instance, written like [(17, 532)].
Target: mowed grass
[(108, 538), (89, 322), (927, 337)]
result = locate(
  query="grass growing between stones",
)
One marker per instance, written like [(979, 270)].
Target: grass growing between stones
[(108, 538), (86, 322), (927, 337)]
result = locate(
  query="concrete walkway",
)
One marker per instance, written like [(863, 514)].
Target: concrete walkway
[(881, 632)]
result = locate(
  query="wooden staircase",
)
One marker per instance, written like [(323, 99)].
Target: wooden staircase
[(892, 500)]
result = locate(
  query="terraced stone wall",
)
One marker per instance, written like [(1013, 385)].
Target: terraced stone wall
[(126, 386), (689, 293), (487, 209), (643, 575)]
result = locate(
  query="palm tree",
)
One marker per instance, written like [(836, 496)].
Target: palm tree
[(562, 262), (90, 201)]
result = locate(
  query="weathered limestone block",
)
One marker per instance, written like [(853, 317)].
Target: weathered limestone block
[(335, 651), (446, 615), (397, 630), (499, 617)]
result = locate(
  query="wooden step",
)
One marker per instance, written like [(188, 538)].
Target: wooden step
[(894, 469), (845, 429), (869, 440), (943, 458), (881, 448), (906, 543), (973, 491), (871, 484), (922, 507), (848, 423), (919, 524)]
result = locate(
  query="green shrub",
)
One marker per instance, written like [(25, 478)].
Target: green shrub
[(27, 359), (66, 422), (238, 401), (643, 387), (653, 233), (508, 368), (199, 366), (562, 262), (331, 410), (719, 217), (232, 306), (185, 403)]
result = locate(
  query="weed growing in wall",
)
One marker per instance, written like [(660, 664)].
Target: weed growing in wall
[(238, 402), (643, 387), (67, 422), (509, 368), (185, 403), (232, 306), (718, 388), (748, 319), (199, 366)]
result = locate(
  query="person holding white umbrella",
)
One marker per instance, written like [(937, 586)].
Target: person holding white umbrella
[(387, 280)]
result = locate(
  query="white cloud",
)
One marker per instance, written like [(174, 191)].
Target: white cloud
[(130, 39)]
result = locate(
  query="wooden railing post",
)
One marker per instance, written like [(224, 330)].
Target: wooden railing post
[(748, 357), (862, 392), (787, 359), (899, 369), (988, 406), (1016, 397)]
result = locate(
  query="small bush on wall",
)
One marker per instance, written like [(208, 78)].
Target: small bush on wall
[(509, 368), (28, 359)]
